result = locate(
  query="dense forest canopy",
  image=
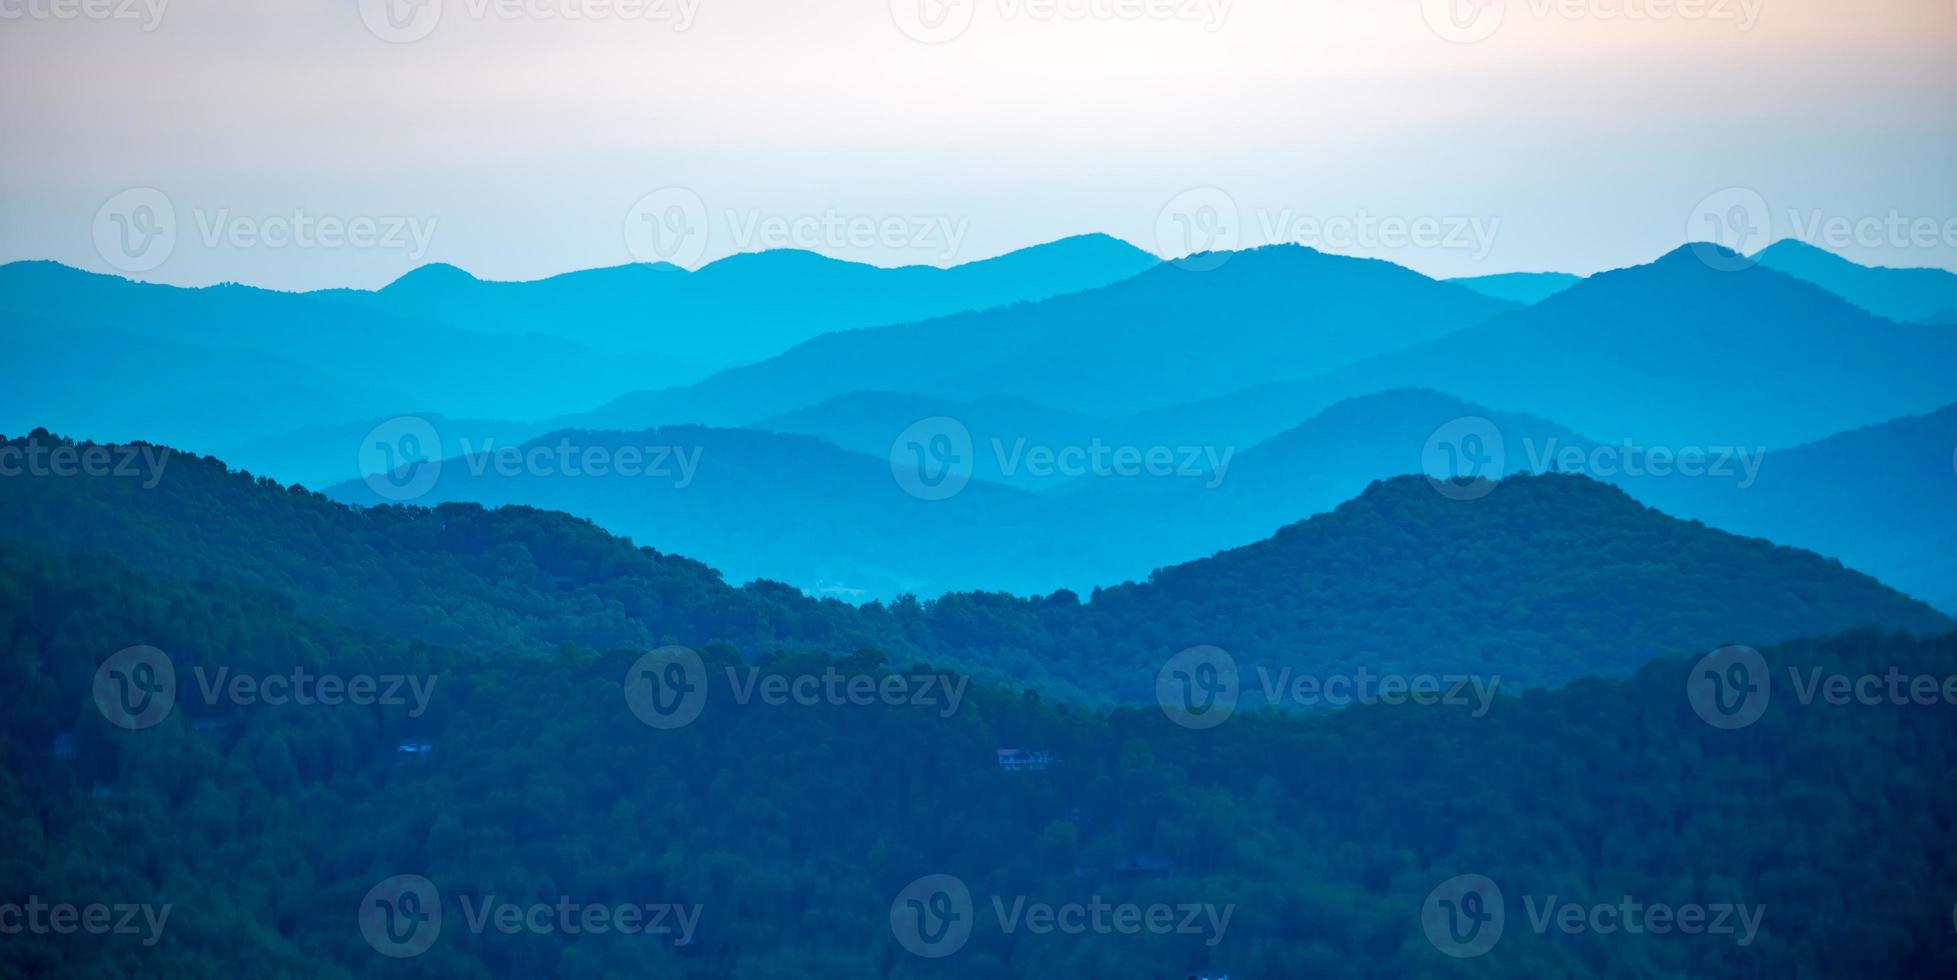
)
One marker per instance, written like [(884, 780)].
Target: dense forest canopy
[(1309, 843)]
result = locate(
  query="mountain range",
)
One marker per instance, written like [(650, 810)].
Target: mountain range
[(747, 306), (1534, 561), (1261, 315)]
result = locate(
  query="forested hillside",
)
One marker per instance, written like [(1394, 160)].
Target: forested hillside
[(789, 829)]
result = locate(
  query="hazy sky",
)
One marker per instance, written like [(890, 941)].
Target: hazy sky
[(523, 138)]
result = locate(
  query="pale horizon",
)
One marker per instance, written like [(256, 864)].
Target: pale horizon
[(515, 143)]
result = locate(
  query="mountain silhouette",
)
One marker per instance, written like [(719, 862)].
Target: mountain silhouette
[(1527, 288), (1560, 576), (1881, 499), (1564, 578), (1682, 352), (870, 422), (1166, 336), (746, 306), (1919, 295)]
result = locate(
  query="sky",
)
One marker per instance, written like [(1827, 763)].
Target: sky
[(318, 143)]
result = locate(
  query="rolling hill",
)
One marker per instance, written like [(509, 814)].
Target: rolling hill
[(1564, 577), (1544, 580)]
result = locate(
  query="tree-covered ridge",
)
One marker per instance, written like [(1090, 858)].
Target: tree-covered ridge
[(1544, 580), (510, 579), (792, 827)]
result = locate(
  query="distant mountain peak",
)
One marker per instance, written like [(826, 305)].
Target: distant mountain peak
[(434, 275)]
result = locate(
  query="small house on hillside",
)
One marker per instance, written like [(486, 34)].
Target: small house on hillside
[(1023, 760)]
